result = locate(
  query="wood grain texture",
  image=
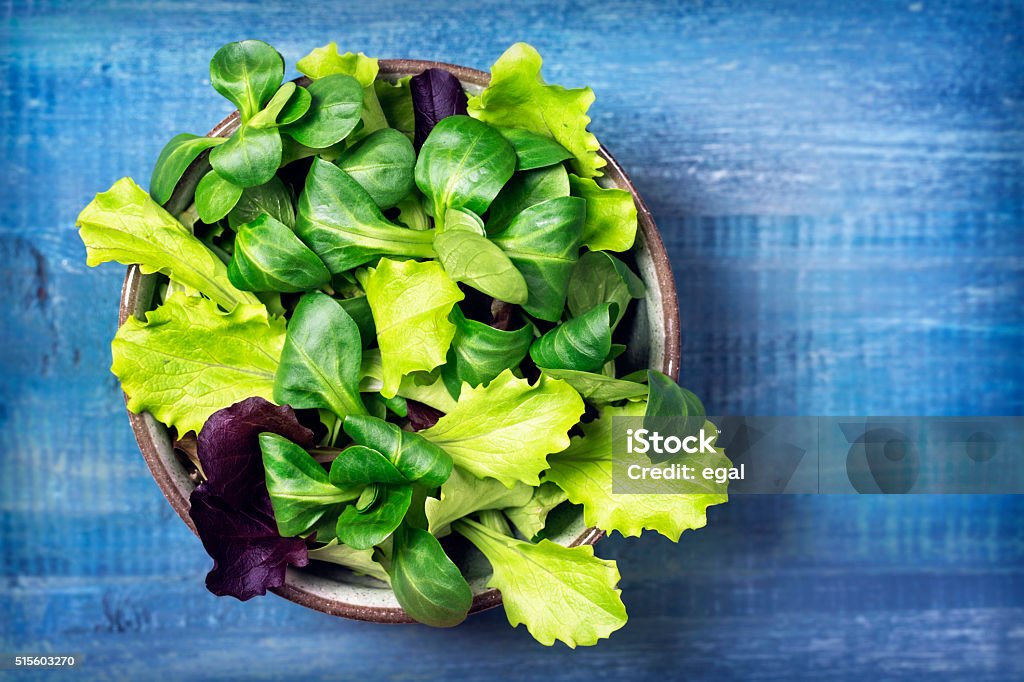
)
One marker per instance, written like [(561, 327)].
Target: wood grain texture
[(841, 188)]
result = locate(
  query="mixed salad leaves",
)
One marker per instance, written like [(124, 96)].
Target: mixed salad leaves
[(389, 319)]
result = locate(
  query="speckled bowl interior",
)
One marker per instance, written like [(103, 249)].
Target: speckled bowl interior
[(653, 342)]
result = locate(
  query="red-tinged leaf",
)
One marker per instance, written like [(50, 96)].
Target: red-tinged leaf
[(436, 94), (421, 416), (229, 447), (249, 556)]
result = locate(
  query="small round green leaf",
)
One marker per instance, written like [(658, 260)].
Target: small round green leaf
[(383, 164), (215, 197), (269, 257), (247, 73), (337, 103), (250, 157)]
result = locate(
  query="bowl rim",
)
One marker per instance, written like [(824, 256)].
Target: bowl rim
[(492, 597)]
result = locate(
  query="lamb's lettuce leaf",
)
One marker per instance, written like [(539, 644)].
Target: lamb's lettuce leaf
[(272, 198), (215, 197), (507, 429), (359, 561), (479, 352), (343, 225), (188, 359), (124, 224), (525, 189), (534, 150), (543, 243), (396, 103), (320, 364), (360, 465), (427, 584), (175, 158), (335, 109), (468, 256), (363, 528), (599, 388), (518, 97), (382, 163), (600, 277), (611, 215), (411, 302), (300, 491), (584, 472), (269, 257), (463, 494), (250, 157), (583, 343), (563, 593), (247, 73), (463, 164), (415, 457)]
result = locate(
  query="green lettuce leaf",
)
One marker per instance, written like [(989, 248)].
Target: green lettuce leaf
[(431, 391), (125, 225), (600, 277), (427, 584), (334, 111), (598, 388), (339, 220), (396, 103), (175, 158), (382, 164), (272, 198), (415, 457), (411, 302), (320, 364), (518, 97), (363, 528), (359, 561), (479, 352), (534, 150), (583, 343), (189, 359), (326, 61), (269, 257), (611, 215), (300, 491), (215, 197), (543, 243), (247, 73), (584, 472), (468, 256), (250, 157), (526, 189), (507, 429), (463, 494), (563, 593), (531, 517)]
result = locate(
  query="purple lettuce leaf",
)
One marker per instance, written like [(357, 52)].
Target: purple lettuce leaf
[(248, 554), (436, 94), (229, 446), (421, 416), (231, 510)]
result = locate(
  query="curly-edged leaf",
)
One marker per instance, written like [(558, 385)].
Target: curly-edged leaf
[(189, 359), (300, 491), (598, 388), (584, 472), (526, 189), (359, 561), (372, 526), (543, 243), (611, 215), (124, 224), (272, 198), (563, 593), (396, 103), (320, 363), (534, 150), (359, 465), (426, 583), (337, 103), (269, 257), (427, 390), (463, 164), (228, 447), (507, 428), (471, 258), (531, 517), (247, 73), (249, 556), (671, 409), (436, 94), (250, 157), (598, 278), (582, 343), (343, 225), (325, 61), (416, 458), (382, 164), (518, 97), (411, 302), (479, 352), (175, 158), (215, 197), (463, 494)]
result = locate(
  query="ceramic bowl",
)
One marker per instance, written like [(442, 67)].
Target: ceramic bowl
[(654, 343)]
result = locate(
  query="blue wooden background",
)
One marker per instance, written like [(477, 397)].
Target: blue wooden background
[(841, 188)]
